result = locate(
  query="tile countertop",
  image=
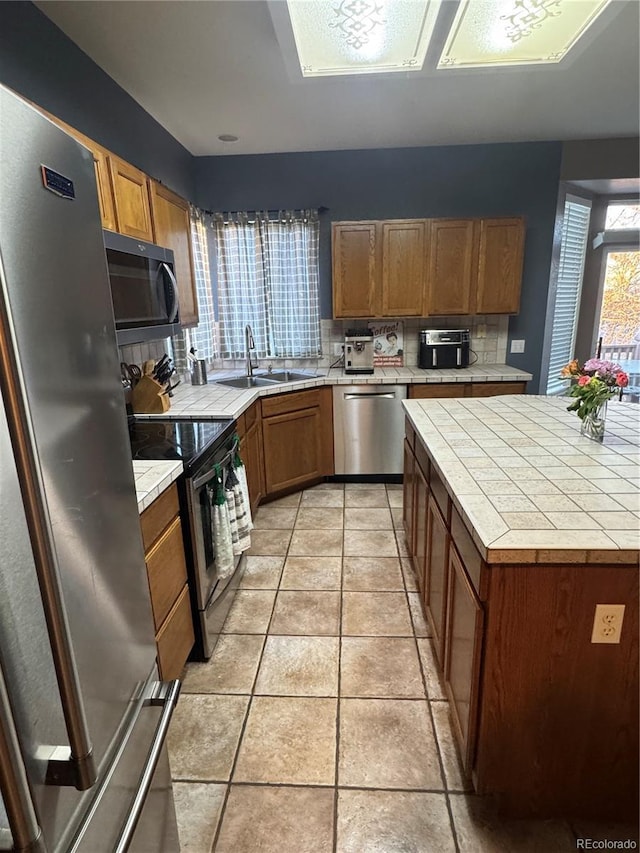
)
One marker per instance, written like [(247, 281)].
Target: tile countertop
[(152, 478), (218, 401), (528, 486)]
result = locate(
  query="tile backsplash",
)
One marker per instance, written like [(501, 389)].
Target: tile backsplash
[(488, 342)]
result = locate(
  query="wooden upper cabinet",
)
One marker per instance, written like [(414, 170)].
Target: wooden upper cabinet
[(501, 251), (451, 267), (355, 269), (105, 190), (131, 197), (403, 268), (172, 229)]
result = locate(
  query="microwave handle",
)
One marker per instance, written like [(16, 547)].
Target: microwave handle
[(173, 288)]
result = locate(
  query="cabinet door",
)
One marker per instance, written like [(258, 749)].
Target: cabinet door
[(501, 253), (355, 269), (131, 197), (403, 268), (451, 267), (420, 498), (464, 634), (105, 191), (408, 485), (292, 449), (436, 564), (254, 462), (172, 229)]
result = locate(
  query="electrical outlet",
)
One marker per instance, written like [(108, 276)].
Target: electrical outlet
[(337, 349), (481, 330), (517, 346), (607, 623)]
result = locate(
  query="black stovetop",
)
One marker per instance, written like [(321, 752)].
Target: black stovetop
[(191, 441)]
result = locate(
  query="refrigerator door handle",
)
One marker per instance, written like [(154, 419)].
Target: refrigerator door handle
[(26, 835), (166, 694)]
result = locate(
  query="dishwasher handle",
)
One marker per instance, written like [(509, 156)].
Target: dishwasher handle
[(387, 396)]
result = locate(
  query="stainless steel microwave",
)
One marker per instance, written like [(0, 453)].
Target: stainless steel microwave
[(144, 291)]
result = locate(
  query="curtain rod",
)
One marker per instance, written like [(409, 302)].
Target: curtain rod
[(320, 209)]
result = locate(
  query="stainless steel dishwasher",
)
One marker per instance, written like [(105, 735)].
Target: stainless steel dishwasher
[(368, 428)]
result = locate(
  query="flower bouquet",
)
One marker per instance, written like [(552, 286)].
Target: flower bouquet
[(593, 384)]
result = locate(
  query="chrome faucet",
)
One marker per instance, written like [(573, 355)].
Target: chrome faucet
[(249, 344)]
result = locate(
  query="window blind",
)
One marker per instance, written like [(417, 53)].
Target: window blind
[(575, 230)]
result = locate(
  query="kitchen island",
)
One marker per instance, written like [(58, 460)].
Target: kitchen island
[(518, 528)]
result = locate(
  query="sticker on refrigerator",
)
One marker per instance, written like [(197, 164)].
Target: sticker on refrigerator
[(57, 183), (388, 344)]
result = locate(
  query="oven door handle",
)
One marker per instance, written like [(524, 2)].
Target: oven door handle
[(201, 481), (205, 478)]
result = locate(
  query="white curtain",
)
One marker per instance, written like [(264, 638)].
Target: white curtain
[(267, 271)]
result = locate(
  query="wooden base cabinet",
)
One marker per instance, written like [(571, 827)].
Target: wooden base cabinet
[(297, 434), (250, 433), (167, 575), (435, 390)]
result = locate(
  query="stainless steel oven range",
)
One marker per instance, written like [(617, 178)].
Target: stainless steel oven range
[(201, 445)]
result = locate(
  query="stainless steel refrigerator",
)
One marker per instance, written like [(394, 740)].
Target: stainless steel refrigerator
[(83, 766)]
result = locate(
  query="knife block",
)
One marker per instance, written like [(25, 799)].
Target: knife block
[(147, 397)]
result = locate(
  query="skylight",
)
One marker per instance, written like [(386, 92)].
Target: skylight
[(361, 36), (516, 32), (335, 37)]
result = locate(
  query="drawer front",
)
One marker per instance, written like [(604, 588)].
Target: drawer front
[(175, 639), (283, 403), (437, 390), (159, 515), (167, 571), (492, 389)]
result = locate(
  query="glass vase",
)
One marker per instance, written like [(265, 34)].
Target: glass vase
[(593, 425)]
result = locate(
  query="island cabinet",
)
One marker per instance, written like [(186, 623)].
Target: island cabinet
[(251, 451), (297, 434), (545, 719), (167, 576)]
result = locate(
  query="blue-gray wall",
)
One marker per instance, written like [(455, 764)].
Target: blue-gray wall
[(448, 181), (38, 61)]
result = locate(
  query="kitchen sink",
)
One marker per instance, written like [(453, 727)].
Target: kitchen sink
[(247, 382), (288, 376), (276, 377)]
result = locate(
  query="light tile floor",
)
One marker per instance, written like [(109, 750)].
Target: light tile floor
[(320, 724)]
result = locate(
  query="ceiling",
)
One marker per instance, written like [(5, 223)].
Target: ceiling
[(213, 67)]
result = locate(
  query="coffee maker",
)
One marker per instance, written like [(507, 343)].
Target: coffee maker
[(358, 351)]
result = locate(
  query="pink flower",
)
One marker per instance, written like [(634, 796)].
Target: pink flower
[(584, 380), (622, 380)]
